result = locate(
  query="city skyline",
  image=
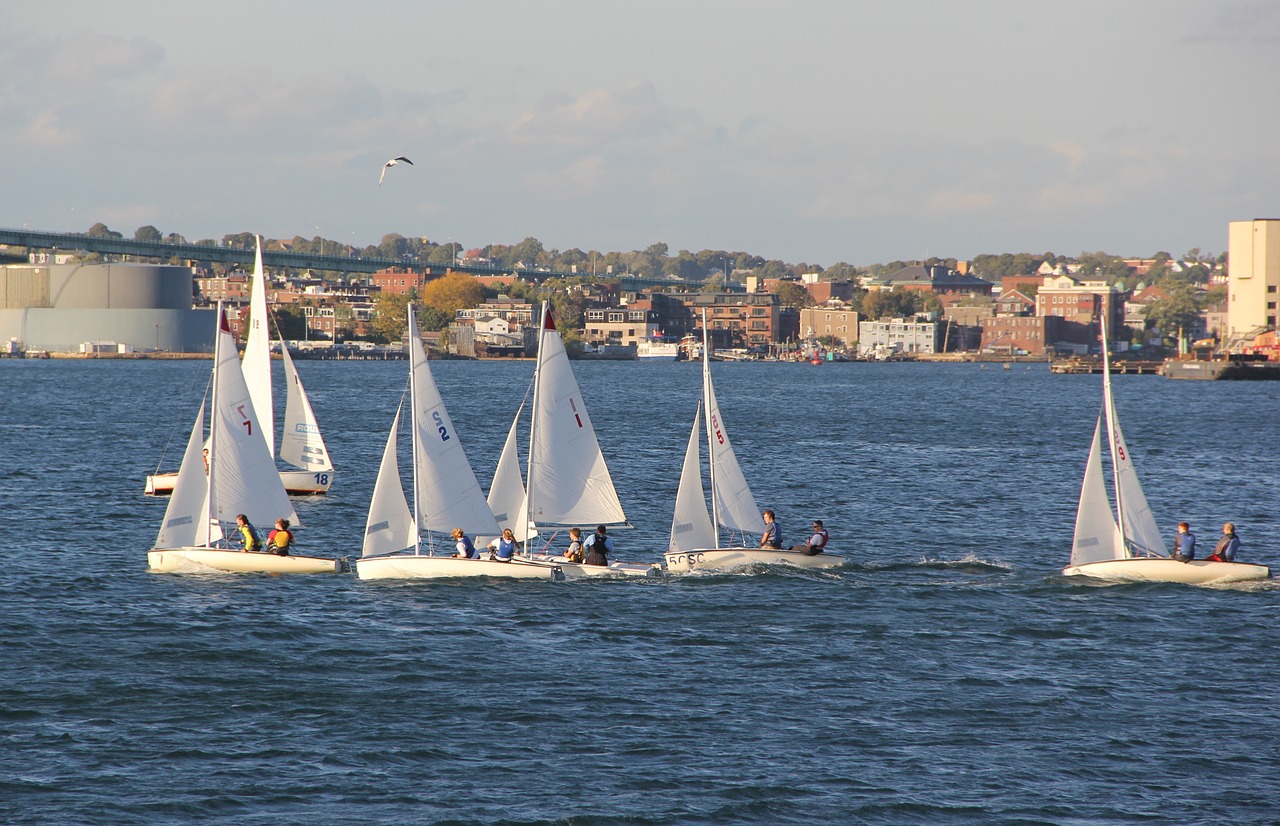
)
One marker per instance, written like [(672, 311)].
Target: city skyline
[(818, 132)]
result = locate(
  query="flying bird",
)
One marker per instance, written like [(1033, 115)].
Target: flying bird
[(390, 164)]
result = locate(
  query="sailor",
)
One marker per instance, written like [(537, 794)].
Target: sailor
[(574, 552), (772, 536), (816, 542), (598, 548), (1184, 545), (249, 540), (280, 540), (465, 548), (1228, 546), (504, 547)]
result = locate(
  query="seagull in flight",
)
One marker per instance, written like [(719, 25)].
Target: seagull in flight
[(390, 164)]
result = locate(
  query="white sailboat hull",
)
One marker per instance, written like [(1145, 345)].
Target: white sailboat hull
[(725, 558), (208, 560), (405, 566), (1158, 569), (296, 483), (578, 570)]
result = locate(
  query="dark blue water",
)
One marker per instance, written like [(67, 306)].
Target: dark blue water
[(949, 676)]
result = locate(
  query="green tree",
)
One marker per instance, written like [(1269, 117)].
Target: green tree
[(1177, 313), (101, 230), (149, 234), (792, 294), (291, 322)]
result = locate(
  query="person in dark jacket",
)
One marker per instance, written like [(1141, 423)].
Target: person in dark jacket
[(598, 548)]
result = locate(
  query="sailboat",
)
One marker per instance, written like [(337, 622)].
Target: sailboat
[(695, 532), (569, 484), (446, 495), (239, 478), (301, 444), (1126, 545)]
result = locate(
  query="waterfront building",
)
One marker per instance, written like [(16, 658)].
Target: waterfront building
[(836, 320), (1081, 303), (921, 335), (1253, 276), (933, 278)]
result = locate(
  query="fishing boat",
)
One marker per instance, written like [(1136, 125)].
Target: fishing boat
[(696, 532), (238, 479), (446, 495), (569, 484), (1126, 545), (301, 445)]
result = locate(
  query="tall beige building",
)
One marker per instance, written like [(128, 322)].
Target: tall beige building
[(1253, 266)]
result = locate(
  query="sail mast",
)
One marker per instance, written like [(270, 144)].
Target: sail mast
[(413, 430), (1109, 406), (210, 506), (706, 410), (544, 320)]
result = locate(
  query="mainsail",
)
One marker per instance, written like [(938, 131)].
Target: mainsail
[(568, 481), (242, 471), (257, 353), (448, 495), (301, 444)]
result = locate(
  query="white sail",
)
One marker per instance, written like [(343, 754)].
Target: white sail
[(389, 527), (568, 481), (243, 472), (1097, 535), (735, 507), (188, 508), (448, 495), (1133, 514), (506, 492), (691, 526), (301, 444), (257, 353)]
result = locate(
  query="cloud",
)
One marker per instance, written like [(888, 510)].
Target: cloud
[(1241, 23)]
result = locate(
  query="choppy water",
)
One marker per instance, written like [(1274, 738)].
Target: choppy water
[(949, 676)]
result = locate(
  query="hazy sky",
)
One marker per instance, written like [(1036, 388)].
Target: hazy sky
[(806, 130)]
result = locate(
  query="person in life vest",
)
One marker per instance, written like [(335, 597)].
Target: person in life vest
[(574, 552), (1228, 546), (598, 548), (504, 547), (465, 548), (772, 536), (1184, 544), (249, 540), (816, 542), (280, 540)]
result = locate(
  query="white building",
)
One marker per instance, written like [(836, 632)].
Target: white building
[(920, 335), (1253, 264)]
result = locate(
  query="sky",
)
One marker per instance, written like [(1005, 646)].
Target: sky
[(815, 131)]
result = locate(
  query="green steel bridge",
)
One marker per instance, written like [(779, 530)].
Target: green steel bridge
[(217, 254)]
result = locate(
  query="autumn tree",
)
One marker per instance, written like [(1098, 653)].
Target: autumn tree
[(391, 315), (452, 292)]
